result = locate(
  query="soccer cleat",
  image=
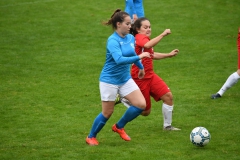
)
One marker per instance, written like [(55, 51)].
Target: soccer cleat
[(118, 99), (92, 141), (215, 96), (121, 132), (171, 128)]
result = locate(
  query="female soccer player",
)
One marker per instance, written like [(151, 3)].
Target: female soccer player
[(151, 84), (134, 8), (233, 78), (115, 78)]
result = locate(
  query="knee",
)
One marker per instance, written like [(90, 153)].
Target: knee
[(146, 113), (107, 114), (167, 98), (140, 104)]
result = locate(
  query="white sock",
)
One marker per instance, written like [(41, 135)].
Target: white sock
[(167, 114), (125, 102), (232, 79)]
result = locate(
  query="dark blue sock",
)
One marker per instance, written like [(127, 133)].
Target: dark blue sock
[(98, 124), (131, 113)]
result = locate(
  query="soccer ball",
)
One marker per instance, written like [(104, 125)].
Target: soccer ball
[(200, 136)]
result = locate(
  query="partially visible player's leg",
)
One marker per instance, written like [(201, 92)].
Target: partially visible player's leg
[(122, 100), (108, 93), (231, 81), (145, 87), (233, 78), (133, 94), (160, 91)]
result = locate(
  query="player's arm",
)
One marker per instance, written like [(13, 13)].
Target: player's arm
[(141, 56), (157, 39), (135, 17), (120, 59), (113, 47), (158, 56)]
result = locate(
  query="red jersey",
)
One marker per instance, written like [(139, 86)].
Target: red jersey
[(238, 43), (238, 46), (141, 40)]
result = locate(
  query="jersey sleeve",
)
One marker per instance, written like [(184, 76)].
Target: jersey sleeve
[(141, 40), (139, 64), (113, 47)]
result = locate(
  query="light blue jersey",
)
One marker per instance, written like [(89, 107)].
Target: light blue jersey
[(134, 7), (120, 55)]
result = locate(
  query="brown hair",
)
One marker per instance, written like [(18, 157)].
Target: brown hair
[(137, 25), (117, 16)]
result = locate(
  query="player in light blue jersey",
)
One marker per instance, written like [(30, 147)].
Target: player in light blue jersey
[(115, 78), (135, 9), (120, 54)]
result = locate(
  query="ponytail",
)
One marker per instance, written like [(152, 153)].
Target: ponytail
[(117, 16)]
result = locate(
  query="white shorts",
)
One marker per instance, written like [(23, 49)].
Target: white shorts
[(109, 91)]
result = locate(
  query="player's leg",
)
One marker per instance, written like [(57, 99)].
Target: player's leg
[(147, 97), (233, 78), (160, 91), (132, 93), (138, 104), (145, 87), (139, 8), (108, 94), (231, 81), (122, 100), (129, 8)]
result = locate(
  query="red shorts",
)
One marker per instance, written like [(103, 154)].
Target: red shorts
[(154, 87), (238, 47), (238, 60)]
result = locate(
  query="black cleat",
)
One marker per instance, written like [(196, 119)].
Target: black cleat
[(118, 99), (215, 96), (171, 128)]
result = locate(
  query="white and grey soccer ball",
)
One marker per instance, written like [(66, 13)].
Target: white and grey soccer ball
[(200, 136)]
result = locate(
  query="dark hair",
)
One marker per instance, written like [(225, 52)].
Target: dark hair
[(137, 25), (117, 16)]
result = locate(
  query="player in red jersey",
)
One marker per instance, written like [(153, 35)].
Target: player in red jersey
[(233, 78), (152, 85)]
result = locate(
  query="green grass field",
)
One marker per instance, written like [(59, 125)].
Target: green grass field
[(51, 55)]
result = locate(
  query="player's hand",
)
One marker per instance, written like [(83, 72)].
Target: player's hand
[(166, 32), (144, 55), (239, 30), (173, 53), (141, 73), (135, 17)]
